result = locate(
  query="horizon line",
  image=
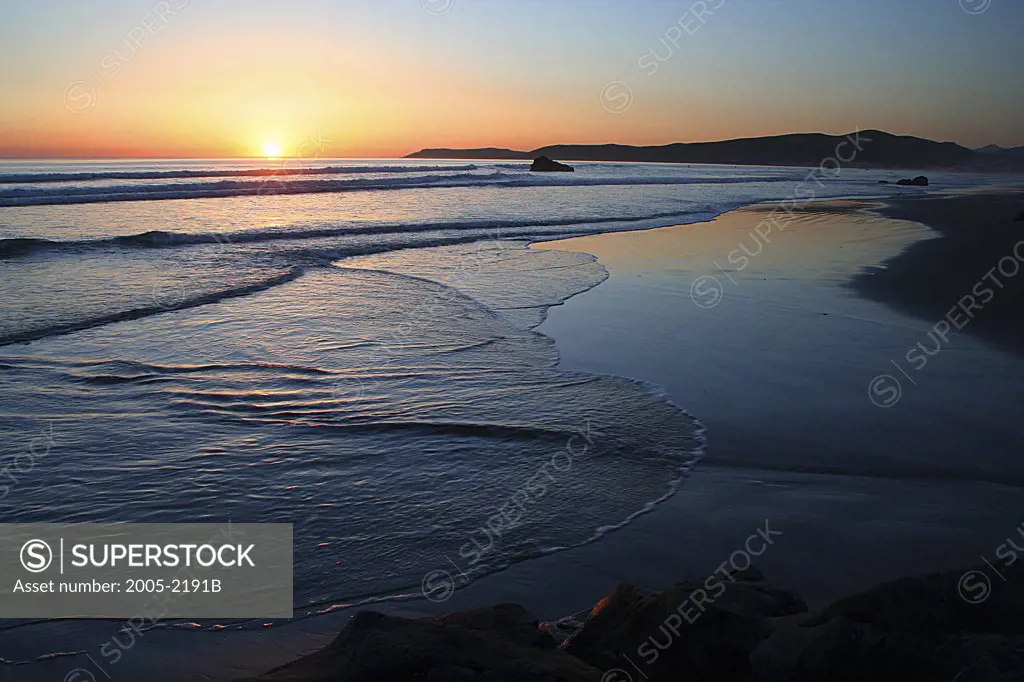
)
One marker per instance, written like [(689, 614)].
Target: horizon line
[(223, 157)]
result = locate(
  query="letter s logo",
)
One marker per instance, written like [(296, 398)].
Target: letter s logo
[(79, 97), (36, 556), (616, 97)]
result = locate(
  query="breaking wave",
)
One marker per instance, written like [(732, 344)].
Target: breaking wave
[(43, 196), (11, 178)]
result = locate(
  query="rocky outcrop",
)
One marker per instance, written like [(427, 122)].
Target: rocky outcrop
[(932, 627), (543, 164), (919, 181), (706, 628), (844, 650), (502, 642), (729, 627), (943, 626)]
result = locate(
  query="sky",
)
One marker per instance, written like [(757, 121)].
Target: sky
[(351, 78)]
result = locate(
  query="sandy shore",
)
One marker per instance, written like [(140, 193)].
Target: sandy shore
[(973, 263), (778, 370), (777, 363), (762, 339)]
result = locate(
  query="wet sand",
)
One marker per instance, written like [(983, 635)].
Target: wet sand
[(768, 343), (971, 268), (777, 362)]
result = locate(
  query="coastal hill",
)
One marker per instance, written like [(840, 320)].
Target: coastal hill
[(877, 149), (996, 149)]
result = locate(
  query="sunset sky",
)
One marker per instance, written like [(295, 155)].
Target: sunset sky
[(187, 78)]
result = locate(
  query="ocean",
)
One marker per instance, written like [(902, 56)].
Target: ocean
[(344, 345)]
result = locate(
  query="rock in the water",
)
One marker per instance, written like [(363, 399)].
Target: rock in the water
[(919, 181), (497, 643), (543, 164)]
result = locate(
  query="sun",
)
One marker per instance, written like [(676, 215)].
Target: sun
[(271, 150)]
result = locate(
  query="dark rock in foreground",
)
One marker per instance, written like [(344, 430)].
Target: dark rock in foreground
[(543, 164), (502, 642), (943, 626), (729, 627), (705, 629)]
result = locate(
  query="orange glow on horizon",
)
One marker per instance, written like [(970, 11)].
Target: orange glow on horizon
[(202, 80), (278, 104)]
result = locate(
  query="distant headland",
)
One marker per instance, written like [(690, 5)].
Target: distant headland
[(868, 148)]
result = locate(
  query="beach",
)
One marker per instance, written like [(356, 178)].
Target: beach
[(778, 361), (851, 493), (453, 341), (972, 263), (780, 369)]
